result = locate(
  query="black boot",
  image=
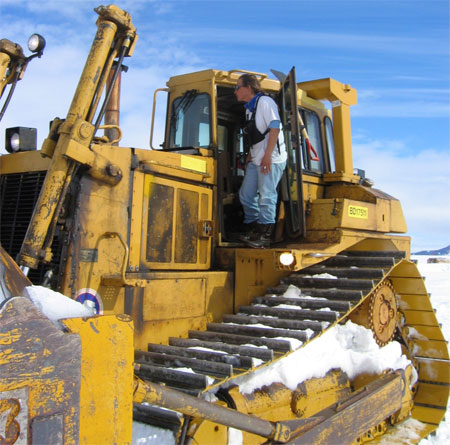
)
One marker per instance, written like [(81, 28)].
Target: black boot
[(248, 231), (261, 237)]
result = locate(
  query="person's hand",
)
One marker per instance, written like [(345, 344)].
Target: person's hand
[(266, 165)]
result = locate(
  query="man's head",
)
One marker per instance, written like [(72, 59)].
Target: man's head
[(247, 86)]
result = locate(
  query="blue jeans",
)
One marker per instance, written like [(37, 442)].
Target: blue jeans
[(258, 193)]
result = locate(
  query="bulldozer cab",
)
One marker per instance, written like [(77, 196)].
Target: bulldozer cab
[(204, 117)]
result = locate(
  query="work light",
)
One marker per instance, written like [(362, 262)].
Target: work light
[(36, 43), (20, 139)]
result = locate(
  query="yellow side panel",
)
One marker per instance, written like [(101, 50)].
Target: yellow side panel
[(106, 395), (326, 214), (13, 163), (172, 214), (160, 331), (98, 248), (172, 303), (254, 273), (169, 299)]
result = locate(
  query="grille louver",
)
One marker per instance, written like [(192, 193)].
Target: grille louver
[(19, 193)]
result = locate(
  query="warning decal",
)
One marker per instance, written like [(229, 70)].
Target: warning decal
[(91, 299), (198, 165)]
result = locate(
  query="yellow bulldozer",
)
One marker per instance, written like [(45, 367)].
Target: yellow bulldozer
[(185, 311)]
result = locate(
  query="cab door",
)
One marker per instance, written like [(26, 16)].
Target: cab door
[(292, 184)]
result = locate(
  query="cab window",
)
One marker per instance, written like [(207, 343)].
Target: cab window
[(222, 137), (190, 124), (330, 143), (313, 158)]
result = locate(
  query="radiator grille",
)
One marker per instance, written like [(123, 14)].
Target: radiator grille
[(19, 193)]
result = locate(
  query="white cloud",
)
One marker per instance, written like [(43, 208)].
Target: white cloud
[(419, 179), (403, 102), (402, 108), (292, 37)]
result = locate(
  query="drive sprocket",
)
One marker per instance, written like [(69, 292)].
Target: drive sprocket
[(383, 312)]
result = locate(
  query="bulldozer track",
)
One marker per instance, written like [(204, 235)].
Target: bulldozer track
[(274, 325)]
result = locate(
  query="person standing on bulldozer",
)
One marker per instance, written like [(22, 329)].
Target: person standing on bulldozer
[(264, 164)]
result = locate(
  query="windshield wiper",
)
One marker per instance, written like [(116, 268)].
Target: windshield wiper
[(184, 103)]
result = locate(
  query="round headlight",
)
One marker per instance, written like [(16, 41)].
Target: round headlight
[(15, 142), (287, 259), (36, 43)]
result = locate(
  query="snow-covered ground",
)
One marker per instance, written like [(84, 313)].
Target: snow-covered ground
[(437, 279)]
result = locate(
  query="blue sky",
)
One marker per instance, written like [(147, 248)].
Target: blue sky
[(395, 53)]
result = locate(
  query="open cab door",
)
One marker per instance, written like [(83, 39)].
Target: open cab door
[(291, 183)]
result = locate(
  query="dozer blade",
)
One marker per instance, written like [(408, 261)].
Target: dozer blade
[(12, 280)]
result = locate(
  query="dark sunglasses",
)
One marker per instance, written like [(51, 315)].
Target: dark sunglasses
[(238, 86)]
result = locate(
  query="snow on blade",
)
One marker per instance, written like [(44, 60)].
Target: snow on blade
[(56, 306)]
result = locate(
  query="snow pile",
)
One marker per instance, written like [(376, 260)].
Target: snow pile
[(56, 306), (406, 432), (350, 348)]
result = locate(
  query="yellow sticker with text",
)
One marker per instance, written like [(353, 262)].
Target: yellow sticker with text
[(198, 165), (358, 212)]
